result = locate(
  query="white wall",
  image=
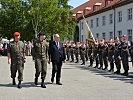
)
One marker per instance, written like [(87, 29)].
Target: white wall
[(120, 26)]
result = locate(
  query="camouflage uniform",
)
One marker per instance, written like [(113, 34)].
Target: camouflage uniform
[(111, 56), (17, 51), (83, 55), (40, 56)]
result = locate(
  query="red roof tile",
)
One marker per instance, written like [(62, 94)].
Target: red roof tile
[(93, 4)]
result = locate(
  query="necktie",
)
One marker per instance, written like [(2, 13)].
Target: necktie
[(57, 43)]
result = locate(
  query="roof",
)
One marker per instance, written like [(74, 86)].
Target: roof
[(92, 7)]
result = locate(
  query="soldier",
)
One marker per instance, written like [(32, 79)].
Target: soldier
[(72, 52), (111, 47), (91, 44), (132, 52), (40, 55), (76, 52), (103, 55), (95, 53), (124, 55), (117, 54), (67, 52), (16, 52), (86, 53), (83, 54)]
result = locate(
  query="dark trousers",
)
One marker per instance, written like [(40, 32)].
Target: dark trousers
[(118, 64), (17, 66), (56, 70), (41, 67), (124, 58)]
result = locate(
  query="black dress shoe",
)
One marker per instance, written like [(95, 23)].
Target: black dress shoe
[(59, 83)]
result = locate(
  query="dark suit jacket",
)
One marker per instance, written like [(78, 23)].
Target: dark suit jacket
[(55, 54)]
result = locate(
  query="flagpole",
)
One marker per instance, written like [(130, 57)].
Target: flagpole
[(90, 33)]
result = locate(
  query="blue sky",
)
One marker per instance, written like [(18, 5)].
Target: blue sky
[(76, 3)]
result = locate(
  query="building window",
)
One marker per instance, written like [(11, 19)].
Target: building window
[(92, 23), (82, 26), (120, 16), (104, 36), (129, 14), (111, 35), (129, 32), (120, 35), (97, 22), (110, 18), (103, 19), (97, 35)]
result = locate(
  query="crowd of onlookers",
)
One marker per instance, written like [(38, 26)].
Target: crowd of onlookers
[(4, 47)]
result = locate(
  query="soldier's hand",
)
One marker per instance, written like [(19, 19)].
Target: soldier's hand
[(9, 62)]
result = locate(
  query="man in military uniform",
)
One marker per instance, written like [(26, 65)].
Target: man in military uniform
[(72, 52), (67, 52), (16, 52), (111, 47), (40, 56), (95, 53), (124, 55), (117, 54), (76, 52), (82, 54), (103, 55)]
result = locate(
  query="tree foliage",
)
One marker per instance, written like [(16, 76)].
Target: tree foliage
[(33, 16)]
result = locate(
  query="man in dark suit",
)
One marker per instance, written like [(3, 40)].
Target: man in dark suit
[(56, 56)]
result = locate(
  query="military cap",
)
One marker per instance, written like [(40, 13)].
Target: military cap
[(41, 33), (16, 34)]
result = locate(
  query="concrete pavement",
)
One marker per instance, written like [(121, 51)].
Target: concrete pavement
[(79, 83)]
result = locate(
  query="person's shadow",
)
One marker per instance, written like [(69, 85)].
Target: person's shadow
[(25, 84)]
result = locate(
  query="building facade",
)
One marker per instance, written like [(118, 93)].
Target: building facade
[(108, 21)]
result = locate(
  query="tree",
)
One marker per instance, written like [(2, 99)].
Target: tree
[(33, 16)]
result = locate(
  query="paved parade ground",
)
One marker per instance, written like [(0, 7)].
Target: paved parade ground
[(79, 83)]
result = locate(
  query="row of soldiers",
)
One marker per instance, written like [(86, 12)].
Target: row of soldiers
[(102, 52)]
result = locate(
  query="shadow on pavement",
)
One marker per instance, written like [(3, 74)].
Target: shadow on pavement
[(126, 79), (24, 85)]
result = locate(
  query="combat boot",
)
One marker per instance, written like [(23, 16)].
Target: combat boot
[(19, 85), (36, 81), (42, 84), (13, 81)]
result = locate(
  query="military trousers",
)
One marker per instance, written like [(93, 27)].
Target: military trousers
[(118, 63), (41, 68), (17, 66), (124, 58)]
